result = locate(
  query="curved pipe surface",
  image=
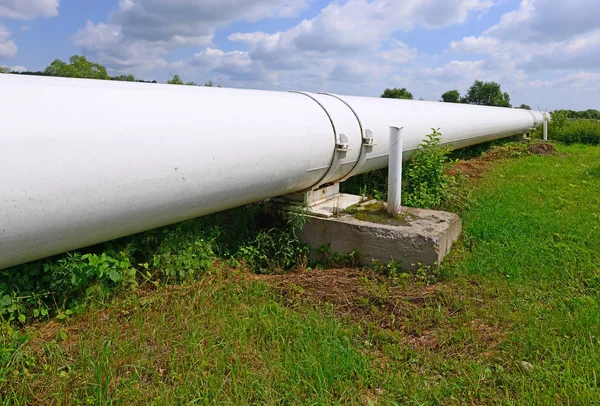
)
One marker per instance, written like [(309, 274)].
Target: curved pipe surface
[(86, 161)]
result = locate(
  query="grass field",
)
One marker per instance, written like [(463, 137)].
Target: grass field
[(513, 317)]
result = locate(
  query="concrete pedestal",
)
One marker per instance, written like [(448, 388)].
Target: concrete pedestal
[(418, 237)]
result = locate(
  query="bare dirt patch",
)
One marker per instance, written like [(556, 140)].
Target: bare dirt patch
[(424, 316), (542, 148), (476, 167), (355, 293)]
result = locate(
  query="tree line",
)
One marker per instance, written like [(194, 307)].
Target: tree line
[(480, 93), (79, 67)]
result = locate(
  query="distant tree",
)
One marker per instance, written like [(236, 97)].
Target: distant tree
[(487, 94), (209, 83), (175, 81), (397, 94), (592, 114), (524, 107), (451, 96), (4, 69), (191, 84), (78, 67), (125, 78)]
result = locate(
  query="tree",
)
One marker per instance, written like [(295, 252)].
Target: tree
[(524, 107), (209, 84), (175, 81), (451, 96), (191, 84), (397, 94), (78, 67), (125, 78), (4, 69), (487, 94)]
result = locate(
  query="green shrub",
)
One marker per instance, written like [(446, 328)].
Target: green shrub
[(424, 183), (580, 132), (570, 131), (556, 125)]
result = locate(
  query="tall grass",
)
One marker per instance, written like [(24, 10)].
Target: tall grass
[(580, 132), (563, 129)]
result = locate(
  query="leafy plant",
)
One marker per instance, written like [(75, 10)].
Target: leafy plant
[(278, 248), (331, 259), (43, 288), (425, 184)]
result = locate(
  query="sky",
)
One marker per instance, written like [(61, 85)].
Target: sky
[(544, 53)]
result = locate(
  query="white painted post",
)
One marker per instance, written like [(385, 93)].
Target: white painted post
[(395, 171), (545, 128)]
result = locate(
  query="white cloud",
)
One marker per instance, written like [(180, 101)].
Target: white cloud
[(357, 25), (28, 9), (140, 31), (535, 38), (159, 20), (399, 53), (348, 40), (18, 68), (548, 20), (475, 45), (234, 64), (8, 48), (107, 44)]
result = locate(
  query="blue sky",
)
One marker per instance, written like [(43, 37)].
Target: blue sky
[(545, 53)]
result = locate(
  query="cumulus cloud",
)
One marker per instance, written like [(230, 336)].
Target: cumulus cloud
[(541, 35), (357, 25), (107, 44), (28, 9), (140, 31), (548, 20), (8, 48), (235, 64), (347, 40), (159, 20), (18, 68)]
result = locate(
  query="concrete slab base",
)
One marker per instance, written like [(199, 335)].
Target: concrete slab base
[(421, 237)]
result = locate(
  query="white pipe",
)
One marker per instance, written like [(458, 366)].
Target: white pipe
[(395, 172), (545, 129), (86, 161)]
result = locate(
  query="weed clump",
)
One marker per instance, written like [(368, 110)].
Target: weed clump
[(425, 183)]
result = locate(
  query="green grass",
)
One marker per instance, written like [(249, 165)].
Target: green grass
[(523, 285), (215, 341)]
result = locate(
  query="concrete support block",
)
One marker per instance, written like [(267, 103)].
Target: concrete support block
[(421, 237)]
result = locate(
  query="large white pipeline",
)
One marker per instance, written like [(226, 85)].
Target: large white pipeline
[(86, 161)]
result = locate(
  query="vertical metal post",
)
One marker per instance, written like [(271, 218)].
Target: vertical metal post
[(395, 171), (545, 128)]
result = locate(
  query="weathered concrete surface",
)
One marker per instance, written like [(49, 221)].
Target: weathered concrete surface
[(426, 238)]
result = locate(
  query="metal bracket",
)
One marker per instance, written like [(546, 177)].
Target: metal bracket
[(341, 143), (368, 140)]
